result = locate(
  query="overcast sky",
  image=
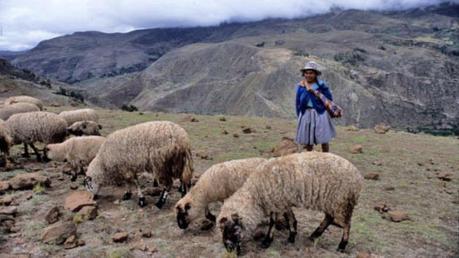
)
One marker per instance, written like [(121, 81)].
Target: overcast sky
[(24, 23)]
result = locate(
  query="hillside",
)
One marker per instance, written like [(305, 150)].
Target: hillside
[(416, 174), (382, 66)]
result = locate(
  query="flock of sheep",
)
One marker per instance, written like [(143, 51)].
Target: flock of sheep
[(252, 190)]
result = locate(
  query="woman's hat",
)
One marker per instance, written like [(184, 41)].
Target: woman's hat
[(311, 65)]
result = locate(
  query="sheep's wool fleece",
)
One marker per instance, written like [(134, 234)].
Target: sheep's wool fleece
[(73, 116), (16, 108), (37, 126), (312, 180), (144, 147), (79, 150), (24, 99)]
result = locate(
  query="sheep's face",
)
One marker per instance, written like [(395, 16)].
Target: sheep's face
[(187, 212), (84, 128), (91, 186), (232, 230), (52, 153)]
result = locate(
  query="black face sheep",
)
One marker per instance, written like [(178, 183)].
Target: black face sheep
[(217, 183), (38, 126), (8, 110), (84, 128), (24, 99), (78, 151), (161, 148), (85, 114), (312, 180)]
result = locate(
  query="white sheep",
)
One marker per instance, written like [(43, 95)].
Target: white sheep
[(77, 151), (161, 148), (215, 185), (85, 114), (6, 141), (38, 126), (312, 180), (9, 110), (24, 99)]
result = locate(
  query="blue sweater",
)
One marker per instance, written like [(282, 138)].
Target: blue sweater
[(303, 97)]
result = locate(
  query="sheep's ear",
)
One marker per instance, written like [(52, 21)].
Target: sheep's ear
[(100, 126)]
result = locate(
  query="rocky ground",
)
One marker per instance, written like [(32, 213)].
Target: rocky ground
[(408, 208)]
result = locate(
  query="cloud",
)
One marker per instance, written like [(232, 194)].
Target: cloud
[(24, 23)]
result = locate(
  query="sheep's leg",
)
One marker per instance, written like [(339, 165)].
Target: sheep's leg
[(322, 227), (163, 197), (210, 216), (35, 150), (345, 238), (128, 194), (45, 155), (290, 217), (269, 237), (26, 151), (142, 201)]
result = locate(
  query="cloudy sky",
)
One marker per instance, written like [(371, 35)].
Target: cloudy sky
[(24, 23)]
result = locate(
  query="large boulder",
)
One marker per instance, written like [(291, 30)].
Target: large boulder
[(28, 181), (78, 199), (58, 233)]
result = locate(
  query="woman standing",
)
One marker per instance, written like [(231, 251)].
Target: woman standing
[(314, 123)]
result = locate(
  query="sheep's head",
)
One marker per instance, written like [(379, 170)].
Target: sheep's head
[(91, 186), (187, 211), (52, 152), (232, 230), (84, 128)]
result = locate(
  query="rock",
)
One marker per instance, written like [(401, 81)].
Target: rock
[(58, 233), (88, 212), (225, 132), (11, 210), (223, 119), (268, 127), (52, 216), (248, 130), (352, 128), (284, 147), (140, 245), (363, 255), (377, 163), (236, 135), (356, 149), (204, 156), (397, 216), (120, 237), (382, 208), (28, 181), (146, 234), (389, 188), (382, 128), (71, 242), (78, 199), (73, 186), (445, 176), (6, 200), (4, 186), (371, 176)]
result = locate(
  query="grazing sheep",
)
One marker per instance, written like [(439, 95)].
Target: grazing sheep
[(78, 151), (24, 99), (217, 183), (36, 126), (160, 148), (9, 110), (5, 142), (312, 180), (84, 128), (86, 114)]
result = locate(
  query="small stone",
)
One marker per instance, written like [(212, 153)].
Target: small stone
[(6, 200), (58, 233), (363, 255), (248, 130), (382, 208), (371, 176), (78, 199), (397, 216), (352, 128), (225, 132), (377, 163), (4, 186), (382, 128), (236, 135), (28, 181), (140, 245), (268, 127), (356, 149), (420, 164), (81, 242), (11, 210), (284, 147), (389, 188), (120, 237), (223, 119), (73, 186), (71, 242), (445, 176), (146, 234), (88, 212), (52, 216)]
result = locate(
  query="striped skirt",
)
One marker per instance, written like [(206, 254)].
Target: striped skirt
[(314, 128)]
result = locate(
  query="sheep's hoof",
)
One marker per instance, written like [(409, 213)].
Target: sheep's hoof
[(342, 246), (159, 204), (142, 202), (207, 225), (127, 196), (291, 238), (266, 242), (73, 178)]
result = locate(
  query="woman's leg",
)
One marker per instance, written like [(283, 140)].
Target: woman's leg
[(325, 147), (309, 147)]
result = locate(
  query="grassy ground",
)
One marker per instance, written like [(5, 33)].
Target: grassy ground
[(407, 165)]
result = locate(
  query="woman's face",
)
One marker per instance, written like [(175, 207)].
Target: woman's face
[(310, 75)]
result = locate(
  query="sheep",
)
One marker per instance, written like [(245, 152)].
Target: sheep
[(24, 99), (9, 110), (38, 126), (216, 184), (86, 114), (161, 148), (318, 181), (84, 128), (78, 151), (6, 141)]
